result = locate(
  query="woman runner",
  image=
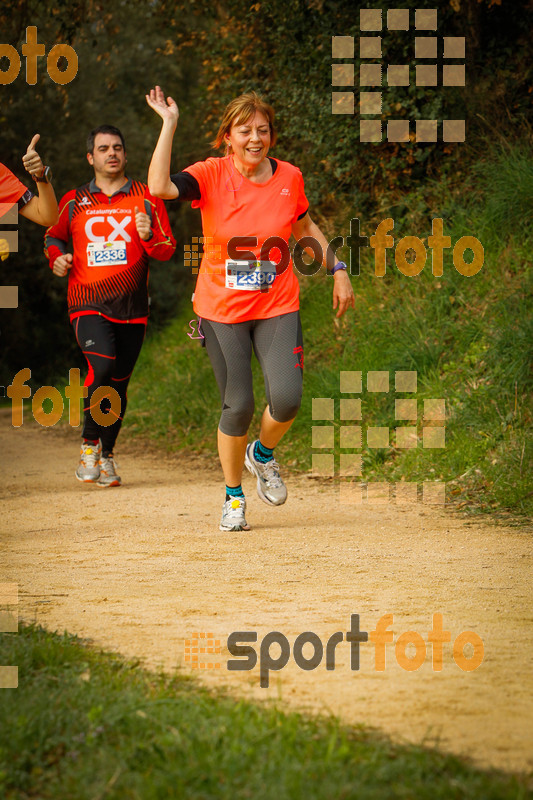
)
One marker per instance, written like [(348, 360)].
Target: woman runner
[(246, 296)]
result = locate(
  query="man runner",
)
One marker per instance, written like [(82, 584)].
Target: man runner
[(115, 225)]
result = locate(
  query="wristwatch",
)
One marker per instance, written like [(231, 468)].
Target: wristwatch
[(46, 177), (338, 266)]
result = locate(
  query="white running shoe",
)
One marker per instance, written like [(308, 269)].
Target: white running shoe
[(88, 470), (270, 487), (233, 515), (108, 472)]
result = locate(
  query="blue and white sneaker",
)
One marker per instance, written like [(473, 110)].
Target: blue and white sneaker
[(270, 487), (233, 513)]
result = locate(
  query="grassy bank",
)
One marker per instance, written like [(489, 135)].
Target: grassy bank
[(86, 725), (470, 340)]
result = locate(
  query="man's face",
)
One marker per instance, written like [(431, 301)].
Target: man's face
[(108, 157)]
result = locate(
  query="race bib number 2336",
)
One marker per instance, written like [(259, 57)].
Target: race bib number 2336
[(106, 254)]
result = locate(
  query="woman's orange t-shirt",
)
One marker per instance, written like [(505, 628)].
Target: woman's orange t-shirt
[(11, 189), (233, 206)]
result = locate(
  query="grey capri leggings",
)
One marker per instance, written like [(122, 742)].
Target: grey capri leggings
[(277, 343)]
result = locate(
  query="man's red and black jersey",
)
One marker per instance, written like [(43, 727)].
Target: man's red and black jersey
[(109, 271)]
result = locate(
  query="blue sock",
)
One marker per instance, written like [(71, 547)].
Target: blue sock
[(262, 453), (234, 491)]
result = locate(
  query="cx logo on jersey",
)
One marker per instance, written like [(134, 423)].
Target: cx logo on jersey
[(118, 229)]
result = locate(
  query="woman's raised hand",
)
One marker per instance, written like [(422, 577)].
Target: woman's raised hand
[(166, 108)]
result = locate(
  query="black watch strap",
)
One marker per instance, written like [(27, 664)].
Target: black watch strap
[(46, 177)]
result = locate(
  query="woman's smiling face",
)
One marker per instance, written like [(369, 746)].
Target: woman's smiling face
[(250, 140)]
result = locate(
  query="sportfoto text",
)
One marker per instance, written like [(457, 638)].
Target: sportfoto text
[(381, 636), (74, 392), (32, 50), (380, 242)]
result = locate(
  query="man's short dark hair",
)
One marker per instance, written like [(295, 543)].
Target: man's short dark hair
[(103, 129)]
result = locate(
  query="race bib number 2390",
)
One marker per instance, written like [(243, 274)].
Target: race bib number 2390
[(250, 275)]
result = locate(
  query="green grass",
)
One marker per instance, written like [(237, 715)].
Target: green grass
[(85, 724), (470, 339)]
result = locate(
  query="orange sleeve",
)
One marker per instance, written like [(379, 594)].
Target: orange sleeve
[(302, 203), (11, 189), (204, 172)]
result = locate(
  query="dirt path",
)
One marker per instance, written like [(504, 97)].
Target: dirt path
[(140, 569)]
